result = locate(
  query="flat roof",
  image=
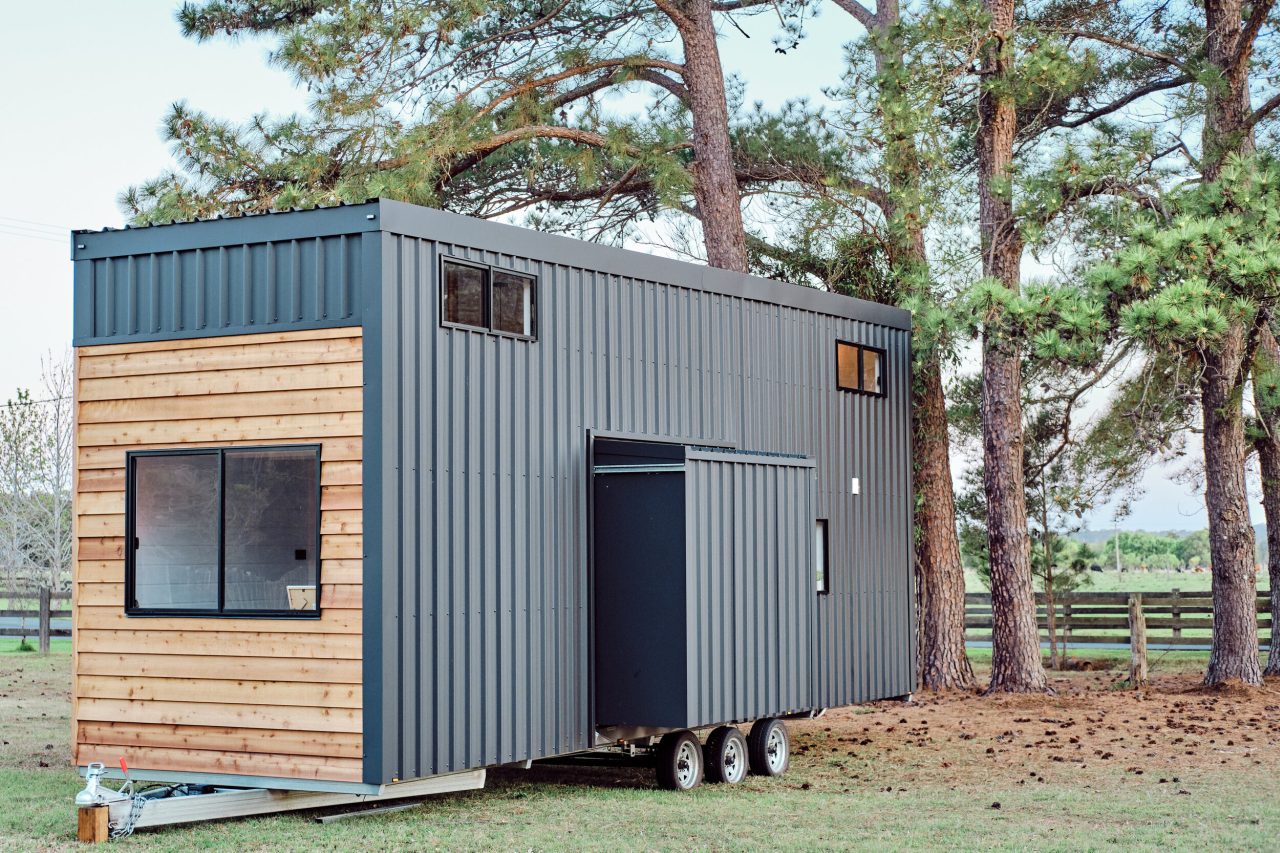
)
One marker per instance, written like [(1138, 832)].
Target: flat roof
[(416, 221)]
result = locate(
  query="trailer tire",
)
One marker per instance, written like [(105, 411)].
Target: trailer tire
[(680, 761), (726, 754), (770, 747)]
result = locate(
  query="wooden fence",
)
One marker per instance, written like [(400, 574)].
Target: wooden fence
[(37, 618), (1172, 620)]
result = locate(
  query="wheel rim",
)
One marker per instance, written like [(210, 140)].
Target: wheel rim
[(775, 749), (735, 767), (686, 765)]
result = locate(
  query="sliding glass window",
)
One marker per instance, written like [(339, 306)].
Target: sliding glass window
[(223, 531)]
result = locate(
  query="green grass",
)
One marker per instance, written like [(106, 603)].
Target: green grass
[(11, 646), (938, 795), (1113, 581)]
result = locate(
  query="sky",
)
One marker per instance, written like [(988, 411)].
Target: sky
[(88, 83)]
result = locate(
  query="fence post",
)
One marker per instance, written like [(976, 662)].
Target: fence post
[(1137, 642), (1175, 613), (44, 617), (1066, 628)]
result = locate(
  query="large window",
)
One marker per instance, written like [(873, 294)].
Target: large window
[(224, 531), (859, 368), (477, 296)]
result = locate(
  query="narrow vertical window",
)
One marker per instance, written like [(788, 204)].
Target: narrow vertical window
[(871, 379), (463, 294), (821, 567), (270, 530), (847, 367), (175, 532)]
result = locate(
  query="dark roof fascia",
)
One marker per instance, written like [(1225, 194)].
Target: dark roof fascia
[(427, 223), (212, 233)]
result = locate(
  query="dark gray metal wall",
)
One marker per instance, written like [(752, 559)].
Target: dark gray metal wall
[(477, 625), (750, 586), (224, 277), (704, 604)]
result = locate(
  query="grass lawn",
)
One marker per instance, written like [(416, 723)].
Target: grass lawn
[(1092, 767), (1113, 581)]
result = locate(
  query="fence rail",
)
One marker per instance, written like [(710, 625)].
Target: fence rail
[(41, 611), (1171, 619)]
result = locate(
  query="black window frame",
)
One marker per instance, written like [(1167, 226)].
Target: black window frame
[(131, 541), (863, 348), (825, 587), (488, 270)]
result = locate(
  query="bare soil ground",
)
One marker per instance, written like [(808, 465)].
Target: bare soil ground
[(1092, 725)]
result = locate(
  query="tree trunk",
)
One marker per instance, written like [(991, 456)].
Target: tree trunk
[(943, 662), (1015, 643), (1231, 546), (1226, 131), (1268, 447), (1269, 457), (715, 184)]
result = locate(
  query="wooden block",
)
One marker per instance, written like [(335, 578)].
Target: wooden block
[(92, 824)]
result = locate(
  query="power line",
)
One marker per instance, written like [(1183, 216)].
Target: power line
[(61, 399), (48, 238), (59, 228), (47, 232)]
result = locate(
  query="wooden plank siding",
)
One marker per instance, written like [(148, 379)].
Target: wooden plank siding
[(257, 697)]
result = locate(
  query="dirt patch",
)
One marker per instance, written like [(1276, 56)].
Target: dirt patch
[(35, 705), (1088, 726)]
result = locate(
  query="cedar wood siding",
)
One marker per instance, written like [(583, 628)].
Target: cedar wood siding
[(259, 697)]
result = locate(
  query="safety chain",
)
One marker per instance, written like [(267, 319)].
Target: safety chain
[(124, 828)]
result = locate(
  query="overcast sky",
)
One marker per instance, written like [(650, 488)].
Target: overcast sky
[(86, 85)]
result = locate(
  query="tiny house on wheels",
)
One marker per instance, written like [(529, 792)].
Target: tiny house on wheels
[(371, 498)]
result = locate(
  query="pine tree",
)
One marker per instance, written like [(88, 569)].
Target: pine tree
[(1200, 281), (482, 108), (943, 663)]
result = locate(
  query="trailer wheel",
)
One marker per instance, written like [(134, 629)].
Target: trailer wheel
[(770, 747), (726, 753), (680, 762)]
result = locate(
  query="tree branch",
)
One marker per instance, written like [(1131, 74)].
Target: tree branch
[(672, 85), (1263, 111), (737, 5), (1129, 98), (1138, 49), (816, 177), (861, 13), (1257, 17), (527, 86), (805, 263)]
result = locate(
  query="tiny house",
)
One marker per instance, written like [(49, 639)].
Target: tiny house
[(378, 493)]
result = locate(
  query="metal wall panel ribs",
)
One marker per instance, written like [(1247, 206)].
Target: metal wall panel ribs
[(485, 445)]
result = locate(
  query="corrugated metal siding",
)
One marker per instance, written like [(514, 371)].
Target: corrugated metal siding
[(484, 449), (749, 587), (220, 290)]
